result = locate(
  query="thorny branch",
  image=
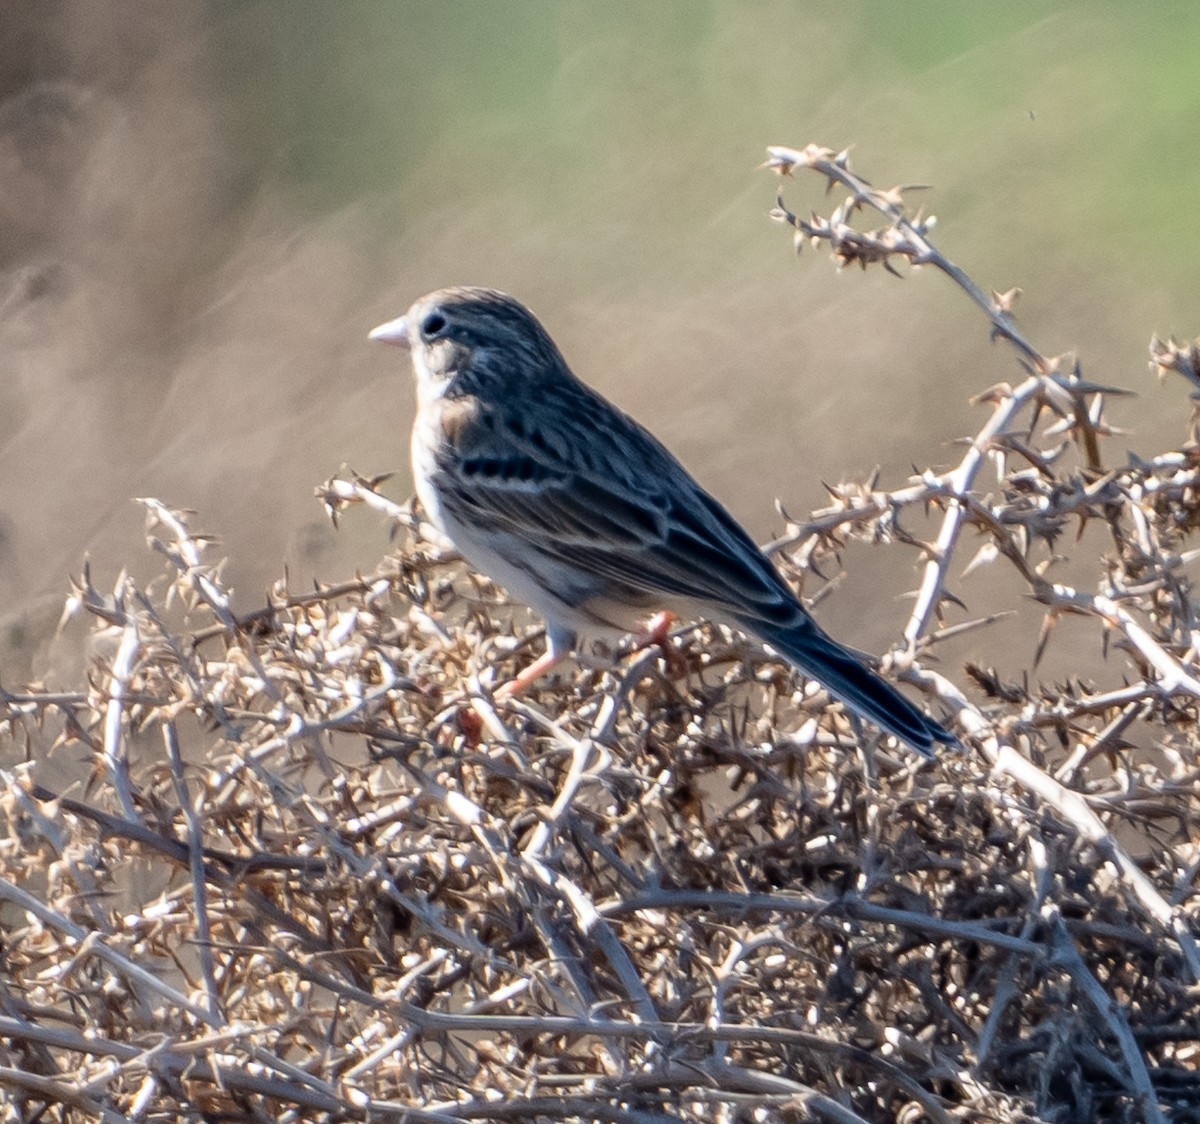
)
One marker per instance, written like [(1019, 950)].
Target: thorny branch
[(653, 890)]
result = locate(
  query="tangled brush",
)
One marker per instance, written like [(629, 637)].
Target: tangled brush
[(307, 868)]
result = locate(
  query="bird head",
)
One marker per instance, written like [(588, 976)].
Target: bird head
[(462, 337)]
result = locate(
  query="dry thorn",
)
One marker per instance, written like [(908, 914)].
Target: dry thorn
[(625, 897)]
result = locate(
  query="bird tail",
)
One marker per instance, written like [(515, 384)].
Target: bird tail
[(848, 679)]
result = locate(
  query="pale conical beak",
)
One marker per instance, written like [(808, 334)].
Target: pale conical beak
[(394, 332)]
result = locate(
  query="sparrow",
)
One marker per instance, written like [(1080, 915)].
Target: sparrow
[(583, 515)]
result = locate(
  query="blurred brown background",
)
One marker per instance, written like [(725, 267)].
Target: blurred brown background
[(205, 206)]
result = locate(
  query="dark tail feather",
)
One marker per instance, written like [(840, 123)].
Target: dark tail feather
[(849, 680)]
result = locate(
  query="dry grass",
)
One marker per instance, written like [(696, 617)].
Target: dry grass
[(314, 873)]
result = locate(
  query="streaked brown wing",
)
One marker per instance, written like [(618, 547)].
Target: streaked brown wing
[(592, 491)]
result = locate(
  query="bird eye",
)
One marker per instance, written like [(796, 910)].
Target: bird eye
[(433, 325)]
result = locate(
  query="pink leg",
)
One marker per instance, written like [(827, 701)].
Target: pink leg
[(548, 659), (658, 629), (657, 634)]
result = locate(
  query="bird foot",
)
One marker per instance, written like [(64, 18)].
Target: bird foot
[(529, 676), (658, 633)]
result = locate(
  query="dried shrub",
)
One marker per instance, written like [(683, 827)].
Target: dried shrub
[(312, 872)]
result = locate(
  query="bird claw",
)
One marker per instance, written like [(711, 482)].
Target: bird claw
[(658, 634)]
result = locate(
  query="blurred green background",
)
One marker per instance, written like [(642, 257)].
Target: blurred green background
[(205, 206)]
